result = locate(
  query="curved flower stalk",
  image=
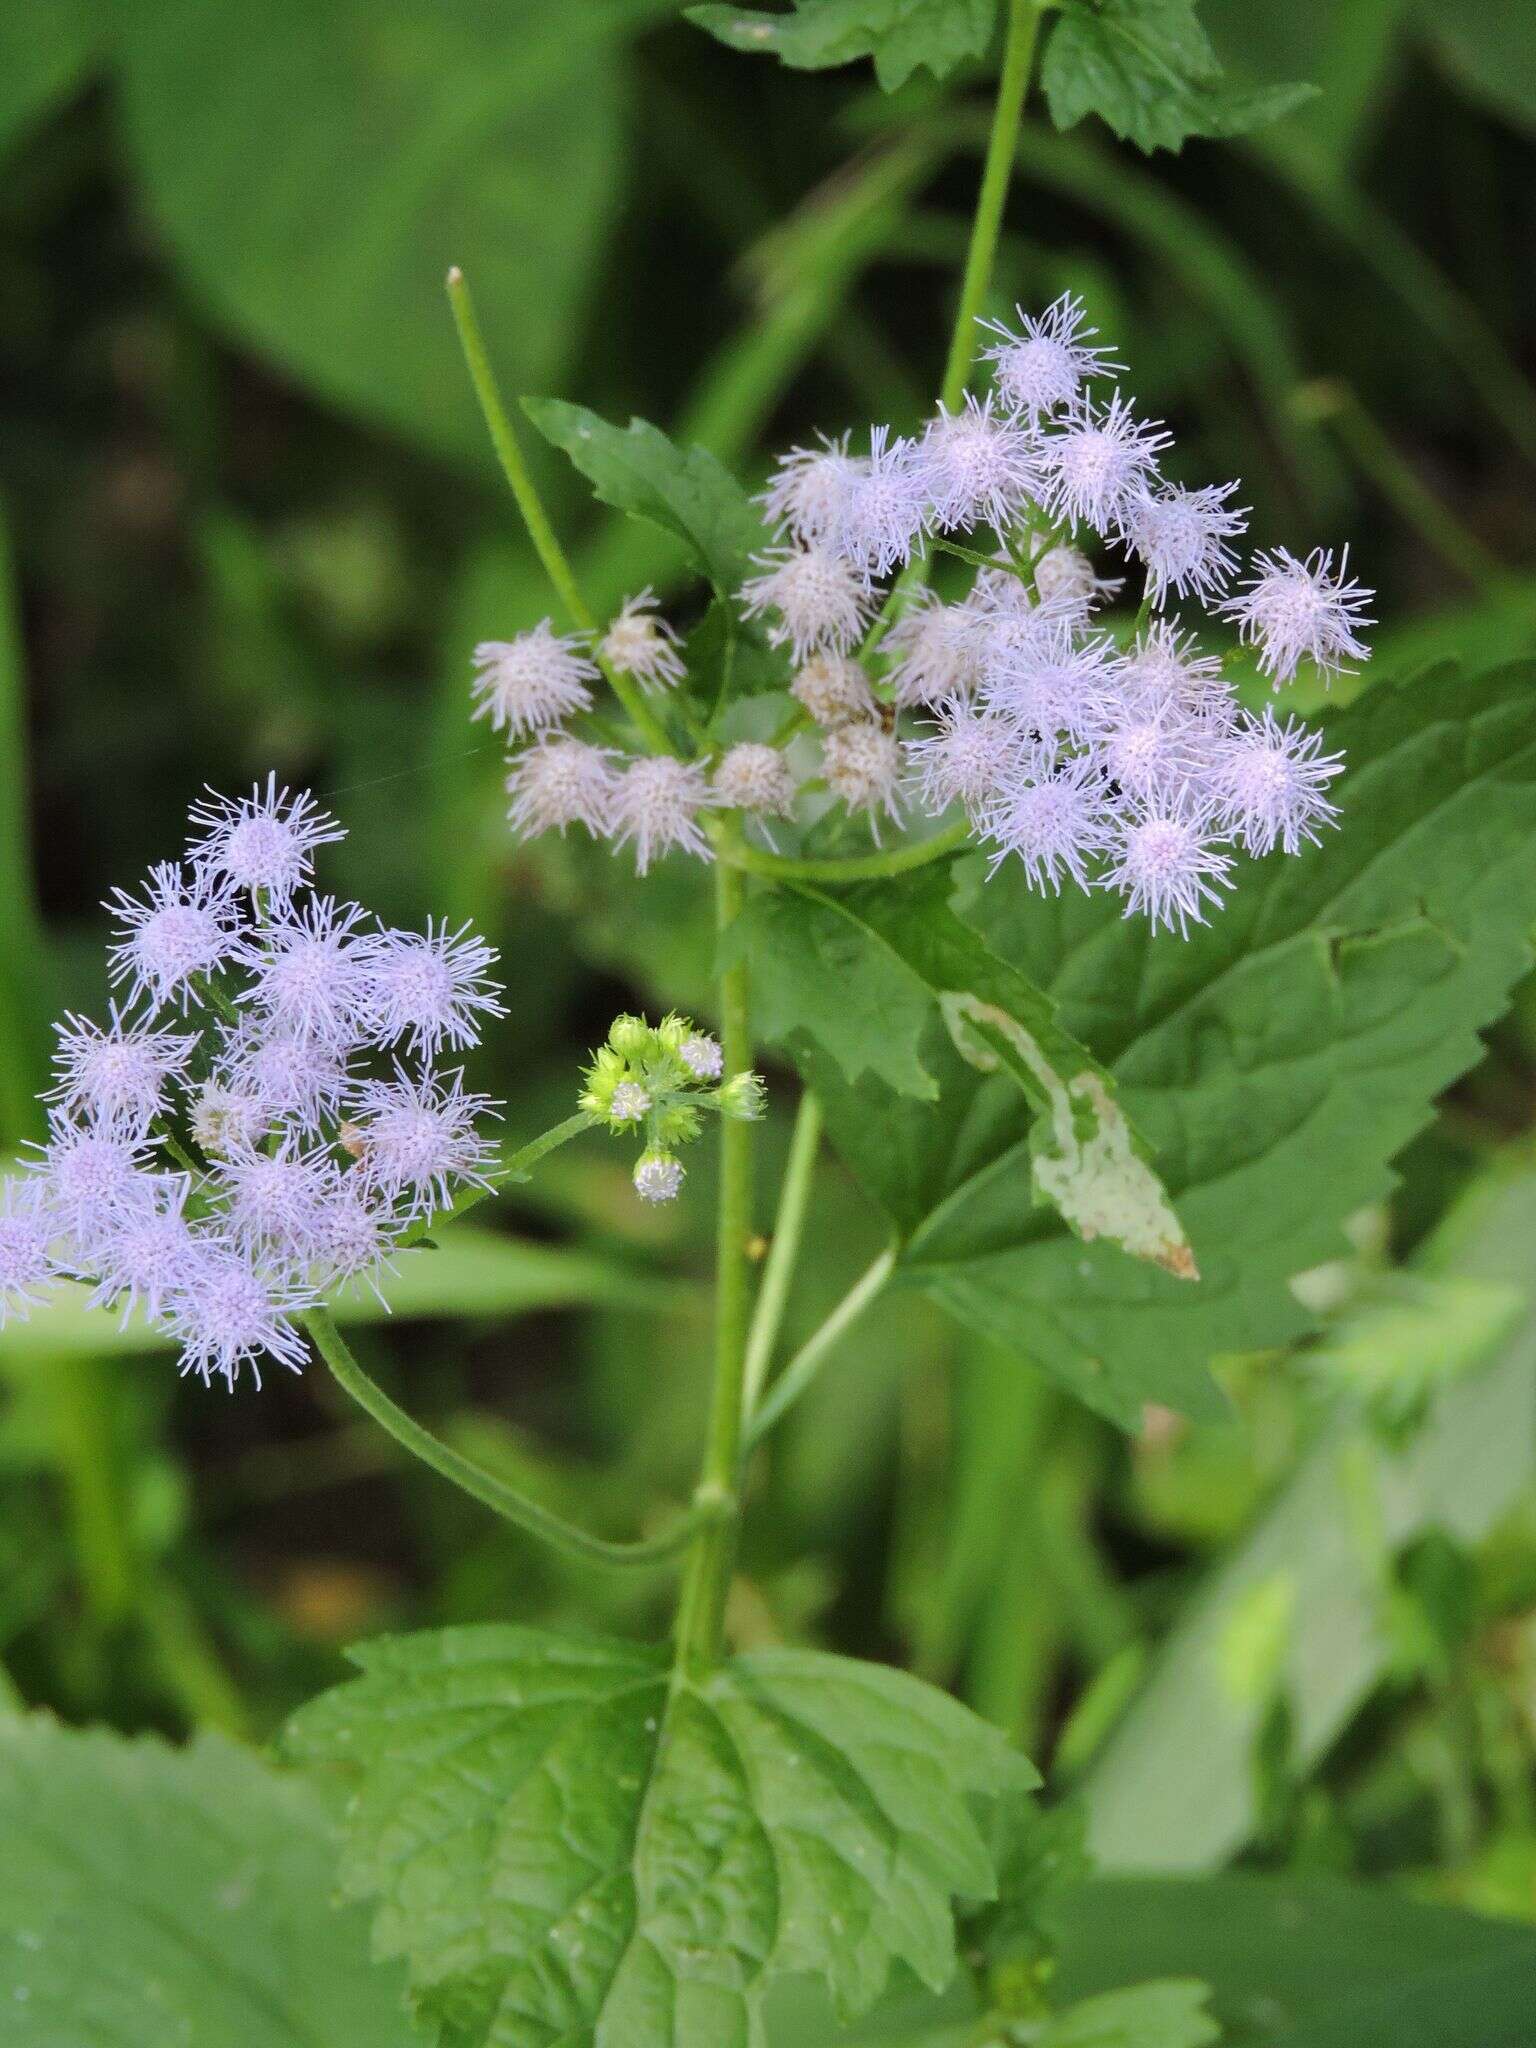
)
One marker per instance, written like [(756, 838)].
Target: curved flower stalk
[(1071, 753)]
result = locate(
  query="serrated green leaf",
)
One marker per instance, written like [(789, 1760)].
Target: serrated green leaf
[(685, 491), (486, 133), (1147, 69), (1087, 1161), (820, 972), (901, 35), (1275, 1062), (571, 1848), (151, 1896)]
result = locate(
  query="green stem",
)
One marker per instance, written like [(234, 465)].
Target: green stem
[(813, 1353), (858, 867), (701, 1610), (541, 531), (1012, 88), (788, 1229), (496, 1494)]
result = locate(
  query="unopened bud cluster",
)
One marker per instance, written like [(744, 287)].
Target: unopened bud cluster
[(657, 1080), (1112, 761), (265, 1118)]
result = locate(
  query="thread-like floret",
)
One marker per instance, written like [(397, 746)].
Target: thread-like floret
[(534, 682)]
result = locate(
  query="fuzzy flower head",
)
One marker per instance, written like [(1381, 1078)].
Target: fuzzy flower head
[(886, 506), (264, 842), (1068, 586), (1295, 611), (1098, 462), (833, 688), (937, 650), (756, 778), (532, 683), (1041, 364), (1165, 672), (310, 973), (117, 1074), (1151, 751), (640, 644), (90, 1176), (1182, 538), (1167, 863), (1057, 685), (417, 1136), (1271, 783), (976, 467), (143, 1257), (226, 1313), (559, 782), (1054, 819), (184, 926), (657, 803), (658, 1176), (813, 597), (430, 988), (967, 757), (862, 764), (809, 489), (27, 1231), (279, 1073), (273, 1200)]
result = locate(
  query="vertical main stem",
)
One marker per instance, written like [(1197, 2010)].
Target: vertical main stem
[(701, 1613), (1012, 89)]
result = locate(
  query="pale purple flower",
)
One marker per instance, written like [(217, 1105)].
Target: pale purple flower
[(559, 782), (640, 644), (862, 764), (430, 988), (885, 508), (264, 842), (416, 1138), (937, 649), (818, 598), (140, 1258), (1059, 684), (278, 1073), (1040, 367), (1165, 671), (27, 1231), (534, 682), (833, 688), (1270, 781), (272, 1200), (1167, 862), (185, 926), (657, 803), (1182, 536), (1293, 611), (116, 1074), (754, 777), (1098, 462), (1055, 820), (809, 489), (702, 1056), (967, 756), (310, 973), (92, 1175), (1155, 750), (224, 1314), (975, 468), (354, 1234)]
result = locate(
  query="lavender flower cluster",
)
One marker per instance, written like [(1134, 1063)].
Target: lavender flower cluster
[(263, 1118), (1121, 763)]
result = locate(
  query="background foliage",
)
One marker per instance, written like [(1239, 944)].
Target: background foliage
[(253, 523)]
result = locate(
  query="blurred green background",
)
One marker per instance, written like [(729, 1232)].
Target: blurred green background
[(253, 524)]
